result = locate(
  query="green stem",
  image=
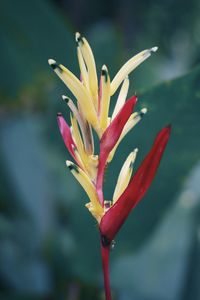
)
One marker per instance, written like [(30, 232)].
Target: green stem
[(105, 254)]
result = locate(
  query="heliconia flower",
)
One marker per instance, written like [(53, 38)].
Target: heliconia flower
[(91, 112)]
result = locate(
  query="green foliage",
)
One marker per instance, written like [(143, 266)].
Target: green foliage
[(30, 34)]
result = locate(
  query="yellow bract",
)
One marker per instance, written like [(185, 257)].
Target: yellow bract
[(83, 69), (78, 90), (132, 121), (124, 175), (121, 98), (129, 66), (89, 187), (90, 65), (105, 98)]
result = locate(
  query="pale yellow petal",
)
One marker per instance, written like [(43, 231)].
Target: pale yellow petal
[(84, 72), (124, 175), (87, 185), (95, 213), (78, 90), (121, 98), (132, 121), (105, 98), (129, 66), (91, 66)]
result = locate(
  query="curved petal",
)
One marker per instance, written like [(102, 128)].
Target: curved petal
[(83, 69), (132, 121), (88, 57), (78, 90), (129, 66), (138, 186), (124, 175), (122, 97), (110, 138), (89, 188), (105, 98)]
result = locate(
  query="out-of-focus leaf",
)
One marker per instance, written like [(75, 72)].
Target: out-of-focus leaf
[(30, 34), (24, 160)]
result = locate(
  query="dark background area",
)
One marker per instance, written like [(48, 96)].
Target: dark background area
[(49, 245)]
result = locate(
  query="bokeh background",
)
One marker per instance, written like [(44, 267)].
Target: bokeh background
[(49, 244)]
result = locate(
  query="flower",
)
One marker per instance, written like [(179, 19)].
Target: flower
[(92, 112)]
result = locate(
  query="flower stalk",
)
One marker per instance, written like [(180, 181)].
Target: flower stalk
[(105, 254), (91, 111)]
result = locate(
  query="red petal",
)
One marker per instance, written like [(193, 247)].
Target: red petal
[(66, 135), (110, 138), (139, 184)]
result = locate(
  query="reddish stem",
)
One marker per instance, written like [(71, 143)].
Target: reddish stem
[(105, 254)]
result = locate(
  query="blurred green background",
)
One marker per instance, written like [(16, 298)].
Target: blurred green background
[(49, 244)]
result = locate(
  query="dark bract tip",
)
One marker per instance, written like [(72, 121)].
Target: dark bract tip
[(66, 99), (79, 39), (73, 167), (105, 74), (54, 65)]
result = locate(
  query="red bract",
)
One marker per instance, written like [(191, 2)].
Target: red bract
[(66, 135), (110, 138), (139, 184)]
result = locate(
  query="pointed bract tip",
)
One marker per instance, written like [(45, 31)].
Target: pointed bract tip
[(104, 72), (54, 65), (59, 114), (126, 79), (65, 98), (68, 163), (154, 49), (144, 110), (51, 62), (77, 36), (72, 166), (104, 68), (133, 156)]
